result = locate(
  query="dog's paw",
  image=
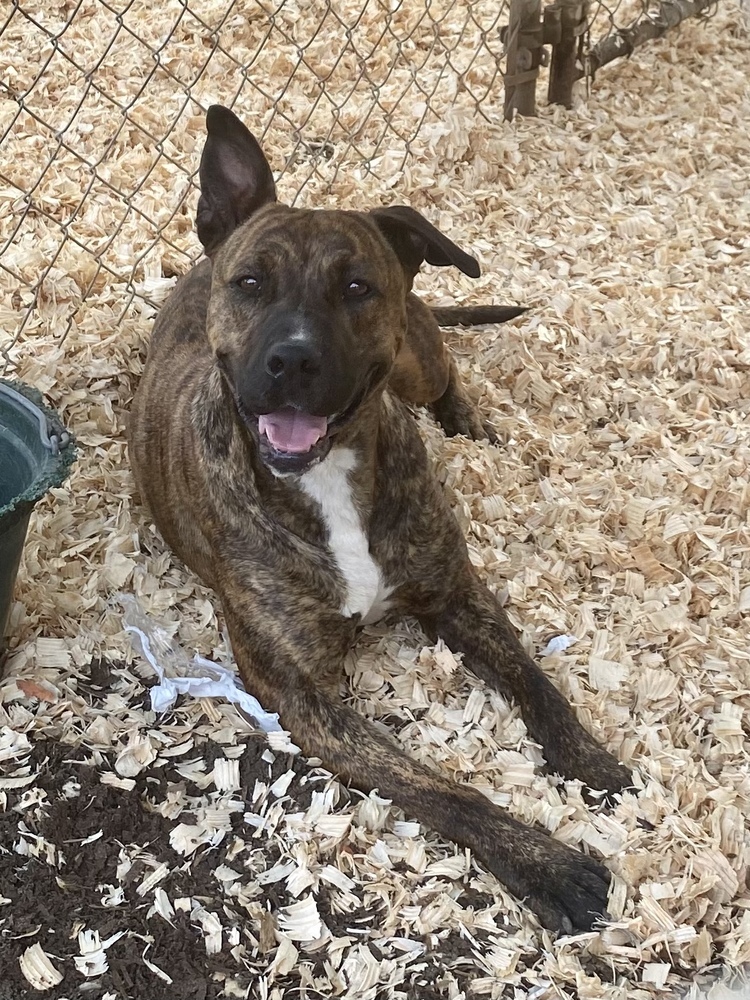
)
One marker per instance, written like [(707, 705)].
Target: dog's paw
[(573, 895), (567, 890), (601, 772), (457, 415), (489, 434), (598, 769)]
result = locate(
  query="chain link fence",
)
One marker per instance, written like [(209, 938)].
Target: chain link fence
[(102, 105)]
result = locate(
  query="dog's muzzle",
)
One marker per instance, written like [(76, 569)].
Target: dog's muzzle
[(291, 440)]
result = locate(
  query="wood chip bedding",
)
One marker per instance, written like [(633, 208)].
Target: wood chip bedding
[(182, 853)]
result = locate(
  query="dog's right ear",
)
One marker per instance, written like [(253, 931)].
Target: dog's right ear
[(236, 179)]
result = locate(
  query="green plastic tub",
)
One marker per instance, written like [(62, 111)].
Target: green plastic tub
[(36, 453)]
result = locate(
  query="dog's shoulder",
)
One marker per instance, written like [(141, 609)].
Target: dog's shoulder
[(182, 318), (399, 438)]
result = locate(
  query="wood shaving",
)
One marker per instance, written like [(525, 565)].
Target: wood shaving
[(613, 513)]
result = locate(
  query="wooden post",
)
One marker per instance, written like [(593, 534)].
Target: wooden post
[(565, 23), (523, 43)]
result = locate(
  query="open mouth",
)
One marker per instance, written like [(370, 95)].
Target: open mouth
[(291, 440)]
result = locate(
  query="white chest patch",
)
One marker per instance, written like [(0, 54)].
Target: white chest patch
[(328, 484)]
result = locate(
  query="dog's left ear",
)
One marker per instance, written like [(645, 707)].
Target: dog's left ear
[(236, 179), (415, 240)]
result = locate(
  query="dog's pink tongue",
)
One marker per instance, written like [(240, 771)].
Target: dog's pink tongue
[(292, 431)]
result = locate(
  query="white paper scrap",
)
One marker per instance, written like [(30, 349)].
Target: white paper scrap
[(558, 644), (203, 679)]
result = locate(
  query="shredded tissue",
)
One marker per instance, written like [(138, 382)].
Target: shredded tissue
[(178, 674), (558, 644)]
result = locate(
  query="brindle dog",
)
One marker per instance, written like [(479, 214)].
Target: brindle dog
[(272, 440)]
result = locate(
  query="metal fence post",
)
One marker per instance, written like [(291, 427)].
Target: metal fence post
[(523, 42), (565, 24), (622, 42)]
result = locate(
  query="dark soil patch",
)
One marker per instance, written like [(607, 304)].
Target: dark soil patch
[(60, 884), (59, 893)]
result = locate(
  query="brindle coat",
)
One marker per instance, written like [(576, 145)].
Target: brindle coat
[(224, 503)]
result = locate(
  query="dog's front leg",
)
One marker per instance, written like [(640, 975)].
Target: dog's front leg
[(475, 624), (566, 889)]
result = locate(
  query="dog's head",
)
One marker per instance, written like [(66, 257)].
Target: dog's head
[(308, 307)]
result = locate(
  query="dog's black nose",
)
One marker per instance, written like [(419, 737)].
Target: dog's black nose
[(290, 359)]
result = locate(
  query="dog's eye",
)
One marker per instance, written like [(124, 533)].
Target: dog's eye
[(249, 284), (357, 290)]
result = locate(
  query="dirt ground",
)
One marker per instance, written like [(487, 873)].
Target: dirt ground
[(179, 855), (80, 854)]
